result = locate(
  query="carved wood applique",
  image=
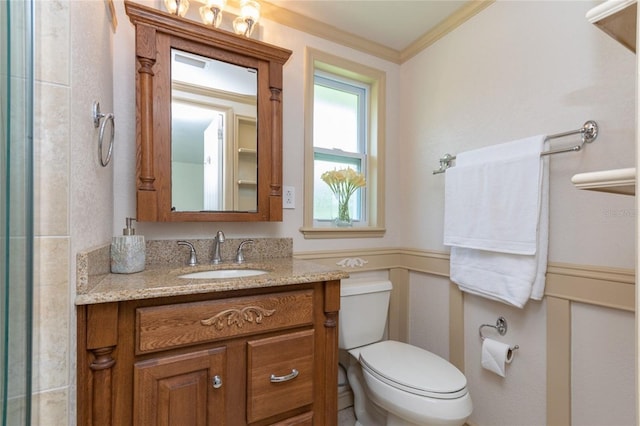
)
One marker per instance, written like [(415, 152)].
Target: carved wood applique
[(239, 317)]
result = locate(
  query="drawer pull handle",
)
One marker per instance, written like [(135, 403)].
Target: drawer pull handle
[(277, 379), (216, 381)]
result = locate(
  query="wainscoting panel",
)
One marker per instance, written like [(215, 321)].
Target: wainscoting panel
[(566, 283)]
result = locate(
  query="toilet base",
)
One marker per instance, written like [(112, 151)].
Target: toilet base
[(368, 413)]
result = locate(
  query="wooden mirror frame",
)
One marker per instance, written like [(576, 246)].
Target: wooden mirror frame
[(157, 32)]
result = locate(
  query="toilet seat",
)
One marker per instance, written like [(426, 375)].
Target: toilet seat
[(412, 369)]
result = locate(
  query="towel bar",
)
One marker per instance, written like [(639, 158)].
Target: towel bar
[(589, 132)]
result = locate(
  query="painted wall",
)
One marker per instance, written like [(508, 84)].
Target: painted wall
[(293, 142), (515, 70)]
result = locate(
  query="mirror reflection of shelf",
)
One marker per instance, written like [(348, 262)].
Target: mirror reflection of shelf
[(618, 181), (246, 163)]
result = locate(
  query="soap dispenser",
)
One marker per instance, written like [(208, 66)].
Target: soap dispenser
[(128, 252)]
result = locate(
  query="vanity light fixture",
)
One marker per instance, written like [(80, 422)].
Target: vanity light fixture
[(177, 7), (249, 16), (211, 12)]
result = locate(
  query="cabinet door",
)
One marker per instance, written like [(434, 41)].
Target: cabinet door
[(305, 419), (185, 389), (280, 374)]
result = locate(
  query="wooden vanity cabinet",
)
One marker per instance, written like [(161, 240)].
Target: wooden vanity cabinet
[(250, 357)]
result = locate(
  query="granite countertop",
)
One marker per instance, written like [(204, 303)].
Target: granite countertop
[(163, 280)]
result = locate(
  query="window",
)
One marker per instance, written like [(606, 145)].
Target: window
[(339, 141), (343, 129)]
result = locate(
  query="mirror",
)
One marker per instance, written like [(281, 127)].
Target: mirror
[(208, 122), (213, 135)]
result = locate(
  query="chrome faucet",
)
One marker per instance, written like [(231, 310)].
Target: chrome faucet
[(216, 247), (239, 254), (193, 259)]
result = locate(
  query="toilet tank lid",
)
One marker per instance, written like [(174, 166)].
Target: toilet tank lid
[(351, 286)]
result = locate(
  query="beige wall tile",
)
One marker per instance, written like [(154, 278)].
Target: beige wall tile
[(50, 408), (52, 305), (51, 162), (52, 31)]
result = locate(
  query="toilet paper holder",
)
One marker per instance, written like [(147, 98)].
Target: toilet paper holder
[(500, 326)]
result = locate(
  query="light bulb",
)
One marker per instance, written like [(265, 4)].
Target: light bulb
[(211, 15), (250, 10), (240, 26), (177, 7)]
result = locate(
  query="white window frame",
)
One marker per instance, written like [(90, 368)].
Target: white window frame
[(373, 223), (362, 91)]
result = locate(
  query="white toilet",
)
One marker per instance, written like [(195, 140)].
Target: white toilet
[(394, 383)]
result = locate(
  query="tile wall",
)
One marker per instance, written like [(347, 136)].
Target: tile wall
[(53, 336)]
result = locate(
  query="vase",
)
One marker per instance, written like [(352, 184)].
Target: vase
[(343, 219)]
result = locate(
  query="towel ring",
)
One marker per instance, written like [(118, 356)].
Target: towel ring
[(501, 327), (97, 118)]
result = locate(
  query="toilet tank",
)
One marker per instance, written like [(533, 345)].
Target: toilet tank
[(364, 304)]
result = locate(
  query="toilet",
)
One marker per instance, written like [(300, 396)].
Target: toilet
[(394, 383)]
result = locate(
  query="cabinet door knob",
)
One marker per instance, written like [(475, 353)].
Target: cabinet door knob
[(277, 379), (216, 381)]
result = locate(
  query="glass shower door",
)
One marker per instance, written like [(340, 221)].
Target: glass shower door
[(16, 210)]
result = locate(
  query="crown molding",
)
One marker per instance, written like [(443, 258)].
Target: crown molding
[(328, 32), (457, 18), (311, 26)]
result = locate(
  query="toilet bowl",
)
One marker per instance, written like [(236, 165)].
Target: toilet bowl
[(395, 383)]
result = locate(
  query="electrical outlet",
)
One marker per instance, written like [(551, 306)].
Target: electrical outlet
[(288, 197)]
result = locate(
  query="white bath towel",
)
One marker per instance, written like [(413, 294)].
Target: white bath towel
[(515, 272), (493, 198)]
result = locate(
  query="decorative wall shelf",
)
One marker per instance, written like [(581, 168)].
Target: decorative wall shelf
[(617, 19), (619, 181)]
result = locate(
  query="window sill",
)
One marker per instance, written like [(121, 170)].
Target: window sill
[(356, 232)]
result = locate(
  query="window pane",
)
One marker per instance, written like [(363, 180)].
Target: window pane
[(335, 119), (325, 205)]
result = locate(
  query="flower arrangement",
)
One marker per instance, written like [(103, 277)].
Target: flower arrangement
[(343, 183)]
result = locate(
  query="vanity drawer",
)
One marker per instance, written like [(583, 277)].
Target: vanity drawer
[(280, 374), (182, 324)]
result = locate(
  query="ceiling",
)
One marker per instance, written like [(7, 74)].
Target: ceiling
[(392, 29), (394, 24)]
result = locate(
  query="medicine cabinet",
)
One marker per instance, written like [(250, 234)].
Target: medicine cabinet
[(208, 122)]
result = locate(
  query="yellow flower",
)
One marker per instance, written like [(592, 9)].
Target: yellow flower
[(343, 183)]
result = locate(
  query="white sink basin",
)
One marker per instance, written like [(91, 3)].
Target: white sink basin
[(224, 273)]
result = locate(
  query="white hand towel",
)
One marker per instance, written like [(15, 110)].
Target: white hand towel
[(500, 274), (492, 198), (495, 356)]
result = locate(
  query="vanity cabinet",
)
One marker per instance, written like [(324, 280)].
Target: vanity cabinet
[(265, 356)]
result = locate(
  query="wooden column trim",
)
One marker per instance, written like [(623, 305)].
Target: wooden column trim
[(101, 340), (399, 305), (558, 362), (456, 327), (331, 309)]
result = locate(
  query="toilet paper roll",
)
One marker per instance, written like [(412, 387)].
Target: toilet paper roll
[(495, 356)]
